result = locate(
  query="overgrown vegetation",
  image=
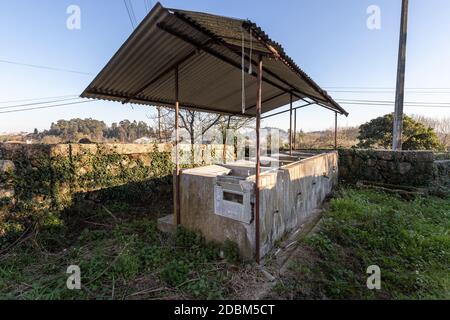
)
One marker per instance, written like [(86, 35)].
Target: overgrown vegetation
[(409, 241), (377, 133), (121, 255), (44, 185)]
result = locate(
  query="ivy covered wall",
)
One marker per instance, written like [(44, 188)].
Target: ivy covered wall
[(35, 179)]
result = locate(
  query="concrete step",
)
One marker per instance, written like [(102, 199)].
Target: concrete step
[(166, 224)]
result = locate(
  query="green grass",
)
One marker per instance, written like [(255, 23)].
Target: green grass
[(408, 240), (122, 255), (122, 258)]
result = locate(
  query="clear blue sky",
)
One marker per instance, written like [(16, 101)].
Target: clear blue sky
[(327, 38)]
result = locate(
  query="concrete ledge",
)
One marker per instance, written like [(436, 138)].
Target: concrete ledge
[(166, 225)]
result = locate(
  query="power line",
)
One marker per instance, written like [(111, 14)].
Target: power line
[(149, 4), (388, 88), (36, 103), (44, 67), (146, 6), (391, 102), (46, 107), (385, 103), (388, 91), (130, 13), (37, 99)]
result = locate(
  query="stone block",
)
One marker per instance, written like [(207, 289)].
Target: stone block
[(385, 155), (7, 166), (7, 192), (404, 167)]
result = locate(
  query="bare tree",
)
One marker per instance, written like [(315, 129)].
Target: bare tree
[(228, 123), (440, 125), (195, 123)]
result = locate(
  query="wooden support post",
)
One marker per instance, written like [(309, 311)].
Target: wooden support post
[(177, 161), (290, 124), (258, 163), (295, 129), (335, 130), (400, 91)]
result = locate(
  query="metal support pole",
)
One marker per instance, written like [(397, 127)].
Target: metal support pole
[(177, 162), (295, 129), (399, 96), (159, 125), (258, 155), (335, 130), (283, 112), (290, 124)]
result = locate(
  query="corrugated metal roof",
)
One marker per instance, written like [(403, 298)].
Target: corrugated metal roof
[(207, 50)]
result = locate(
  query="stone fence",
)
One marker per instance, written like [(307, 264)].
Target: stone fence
[(402, 168), (34, 177), (48, 177)]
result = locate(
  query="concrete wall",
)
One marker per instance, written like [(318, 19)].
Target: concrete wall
[(197, 210), (289, 195)]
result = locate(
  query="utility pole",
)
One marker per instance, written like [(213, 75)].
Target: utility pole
[(400, 91), (290, 127)]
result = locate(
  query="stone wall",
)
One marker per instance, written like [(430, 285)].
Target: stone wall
[(37, 178), (403, 168), (441, 178)]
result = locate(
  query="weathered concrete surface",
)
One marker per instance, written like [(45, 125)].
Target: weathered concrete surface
[(288, 196), (167, 224), (197, 209)]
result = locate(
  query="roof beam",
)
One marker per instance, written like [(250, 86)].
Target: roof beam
[(167, 103), (267, 100), (293, 109), (339, 109), (220, 41), (219, 56), (233, 63), (329, 108)]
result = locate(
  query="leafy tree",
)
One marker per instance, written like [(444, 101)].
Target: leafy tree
[(377, 133), (440, 125), (75, 129), (97, 131)]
